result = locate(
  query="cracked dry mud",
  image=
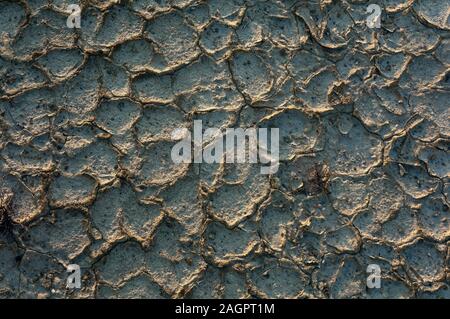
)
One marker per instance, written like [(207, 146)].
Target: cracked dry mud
[(86, 176)]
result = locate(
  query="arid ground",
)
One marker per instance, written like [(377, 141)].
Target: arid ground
[(86, 176)]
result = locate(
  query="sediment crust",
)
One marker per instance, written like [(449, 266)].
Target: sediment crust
[(86, 176)]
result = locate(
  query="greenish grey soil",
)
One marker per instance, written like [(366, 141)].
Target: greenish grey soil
[(86, 176)]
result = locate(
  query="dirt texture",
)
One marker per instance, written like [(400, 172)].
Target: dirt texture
[(86, 176)]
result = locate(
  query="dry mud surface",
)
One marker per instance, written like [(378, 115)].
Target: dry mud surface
[(86, 176)]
